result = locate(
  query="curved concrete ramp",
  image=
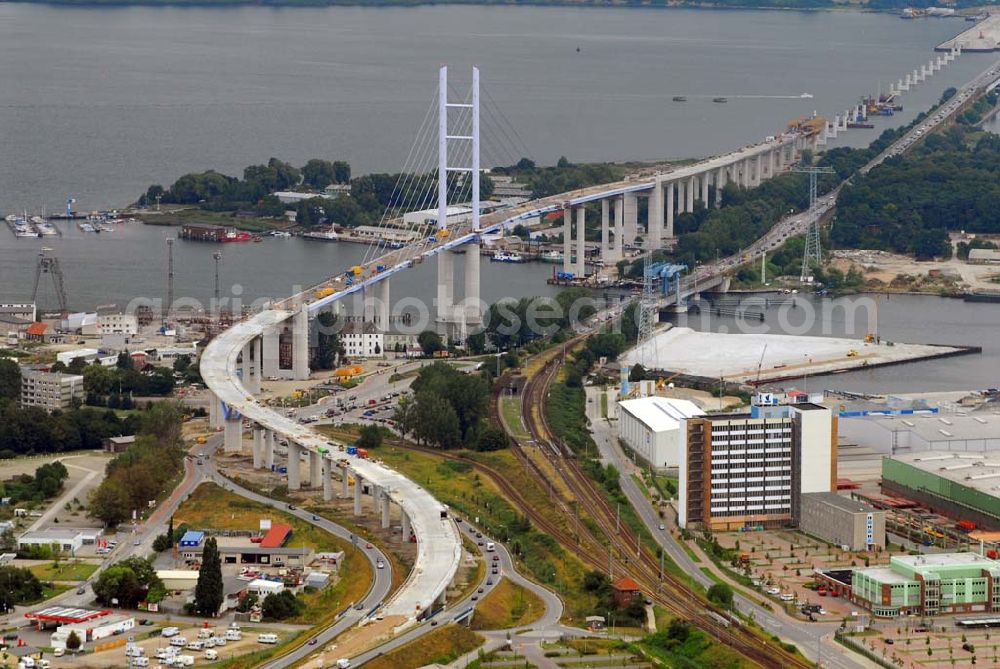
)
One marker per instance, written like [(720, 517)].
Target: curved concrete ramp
[(439, 548)]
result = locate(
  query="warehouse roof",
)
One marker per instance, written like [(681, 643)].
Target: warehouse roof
[(841, 502), (276, 536), (941, 428), (661, 413), (979, 471), (944, 560)]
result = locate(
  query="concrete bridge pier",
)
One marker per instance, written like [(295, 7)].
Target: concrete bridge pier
[(669, 188), (916, 77), (567, 240), (359, 485), (258, 446), (294, 465), (472, 317), (581, 251), (269, 440), (269, 353), (630, 214), (405, 518), (605, 232), (384, 507), (620, 227), (689, 192), (758, 172), (214, 411), (327, 478), (315, 469), (345, 481), (445, 302), (232, 438), (382, 297), (654, 217), (834, 127), (704, 189), (720, 183), (681, 198), (300, 344)]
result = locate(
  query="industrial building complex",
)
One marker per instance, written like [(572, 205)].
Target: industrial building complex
[(844, 522), (651, 426)]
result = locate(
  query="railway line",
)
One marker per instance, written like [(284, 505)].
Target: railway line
[(662, 587)]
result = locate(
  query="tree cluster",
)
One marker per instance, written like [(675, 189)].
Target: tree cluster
[(46, 483), (129, 582), (115, 386), (448, 409), (281, 606), (32, 430), (18, 586), (910, 203), (145, 470), (561, 178)]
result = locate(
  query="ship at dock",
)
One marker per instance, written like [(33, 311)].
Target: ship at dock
[(201, 232), (508, 257), (322, 235)]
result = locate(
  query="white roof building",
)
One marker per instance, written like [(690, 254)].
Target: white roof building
[(263, 587), (650, 426)]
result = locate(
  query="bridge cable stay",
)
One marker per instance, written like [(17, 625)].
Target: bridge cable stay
[(504, 124)]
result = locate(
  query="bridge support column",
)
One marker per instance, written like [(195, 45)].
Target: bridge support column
[(620, 227), (654, 217), (294, 465), (581, 251), (269, 353), (472, 315), (258, 446), (720, 183), (445, 290), (327, 478), (258, 364), (690, 194), (359, 484), (567, 239), (300, 345), (704, 189), (315, 469), (233, 434), (758, 171), (382, 305), (269, 439), (214, 411), (368, 304), (384, 507), (681, 199), (345, 481), (669, 187), (405, 534), (631, 215), (605, 236)]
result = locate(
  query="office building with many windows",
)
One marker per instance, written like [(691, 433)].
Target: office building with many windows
[(743, 470)]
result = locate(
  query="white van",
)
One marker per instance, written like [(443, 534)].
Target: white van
[(194, 645), (140, 661), (490, 546), (164, 653), (209, 642), (170, 631), (179, 641), (204, 633), (185, 660), (267, 638), (42, 664), (343, 663), (233, 635), (211, 655), (219, 640), (132, 650)]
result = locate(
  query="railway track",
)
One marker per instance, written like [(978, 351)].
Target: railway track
[(663, 587)]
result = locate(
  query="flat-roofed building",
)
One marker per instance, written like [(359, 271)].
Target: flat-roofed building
[(842, 521), (126, 324), (739, 471), (49, 390), (924, 431), (650, 426), (929, 585)]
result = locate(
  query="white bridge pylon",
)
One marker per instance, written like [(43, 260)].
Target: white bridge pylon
[(453, 320)]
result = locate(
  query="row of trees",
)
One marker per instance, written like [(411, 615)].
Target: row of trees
[(448, 409), (561, 178), (145, 470)]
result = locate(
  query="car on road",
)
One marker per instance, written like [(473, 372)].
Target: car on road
[(312, 641), (82, 590), (380, 564)]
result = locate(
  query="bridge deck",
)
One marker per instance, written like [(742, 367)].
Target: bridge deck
[(439, 548)]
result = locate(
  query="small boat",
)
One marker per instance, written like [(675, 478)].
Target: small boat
[(86, 227), (257, 239), (47, 229), (503, 256), (551, 256), (680, 98), (719, 100), (322, 235), (281, 233)]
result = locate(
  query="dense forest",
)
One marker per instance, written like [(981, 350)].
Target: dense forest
[(949, 182)]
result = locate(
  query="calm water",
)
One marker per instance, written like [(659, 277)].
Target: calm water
[(99, 103)]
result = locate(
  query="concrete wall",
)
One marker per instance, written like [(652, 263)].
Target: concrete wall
[(660, 450)]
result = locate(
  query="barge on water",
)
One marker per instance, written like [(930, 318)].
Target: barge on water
[(203, 232)]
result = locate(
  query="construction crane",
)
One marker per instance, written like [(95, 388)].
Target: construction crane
[(50, 265), (760, 363)]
